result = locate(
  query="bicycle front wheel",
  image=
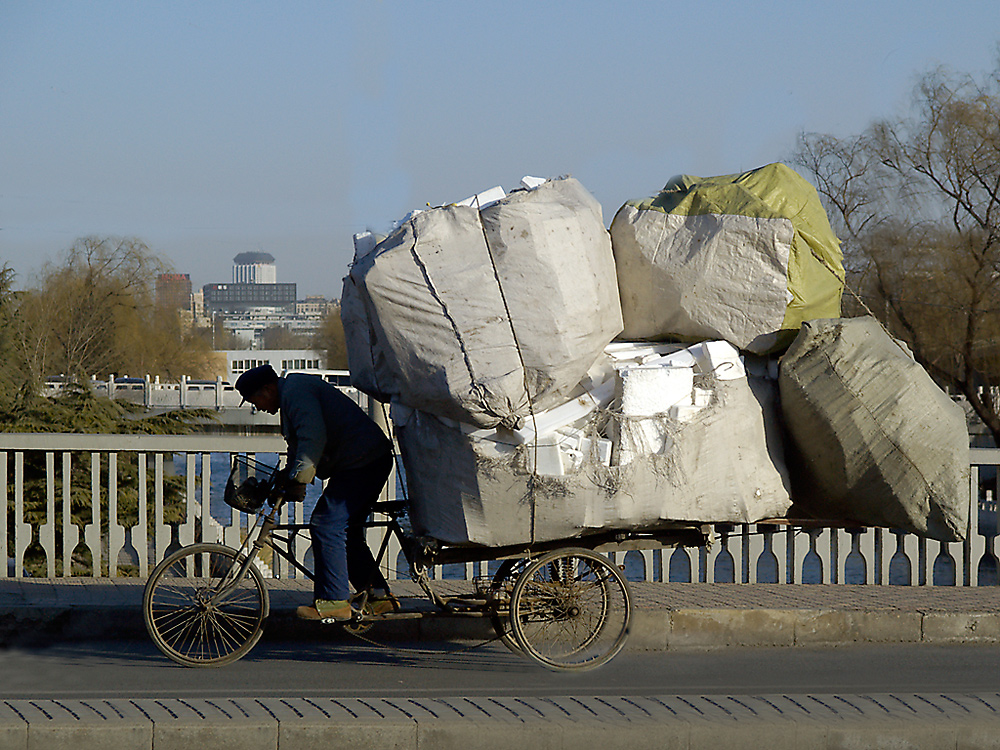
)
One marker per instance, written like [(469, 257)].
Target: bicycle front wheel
[(199, 611)]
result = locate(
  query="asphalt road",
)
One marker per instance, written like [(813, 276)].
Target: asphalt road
[(103, 669)]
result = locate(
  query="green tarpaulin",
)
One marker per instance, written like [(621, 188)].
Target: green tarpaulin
[(746, 258)]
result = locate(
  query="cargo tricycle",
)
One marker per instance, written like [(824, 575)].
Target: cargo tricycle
[(561, 603)]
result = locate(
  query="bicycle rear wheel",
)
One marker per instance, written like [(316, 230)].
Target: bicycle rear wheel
[(195, 616), (570, 610)]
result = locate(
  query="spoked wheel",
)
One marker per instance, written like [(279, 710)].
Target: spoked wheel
[(501, 588), (570, 609), (198, 613)]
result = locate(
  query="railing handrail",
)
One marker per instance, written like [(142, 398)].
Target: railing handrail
[(208, 443), (190, 443)]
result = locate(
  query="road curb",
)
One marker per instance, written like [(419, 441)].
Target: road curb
[(778, 722), (651, 630)]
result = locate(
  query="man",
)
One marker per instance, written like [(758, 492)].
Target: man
[(330, 437)]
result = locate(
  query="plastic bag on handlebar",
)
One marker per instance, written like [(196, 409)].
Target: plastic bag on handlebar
[(249, 484)]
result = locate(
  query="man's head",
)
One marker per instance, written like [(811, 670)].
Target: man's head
[(259, 386)]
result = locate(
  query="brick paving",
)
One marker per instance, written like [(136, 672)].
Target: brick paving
[(124, 592)]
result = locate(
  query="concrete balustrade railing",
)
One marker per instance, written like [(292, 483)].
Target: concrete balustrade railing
[(114, 544)]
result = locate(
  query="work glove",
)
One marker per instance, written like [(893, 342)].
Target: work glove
[(295, 492)]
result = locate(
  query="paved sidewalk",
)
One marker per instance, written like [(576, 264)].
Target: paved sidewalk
[(666, 616)]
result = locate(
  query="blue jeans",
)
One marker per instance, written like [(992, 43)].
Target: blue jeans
[(337, 524)]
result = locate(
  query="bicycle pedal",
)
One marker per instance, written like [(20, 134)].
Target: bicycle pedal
[(351, 621)]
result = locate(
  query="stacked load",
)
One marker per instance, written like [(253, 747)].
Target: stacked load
[(876, 440), (483, 313), (745, 258), (491, 326), (707, 456)]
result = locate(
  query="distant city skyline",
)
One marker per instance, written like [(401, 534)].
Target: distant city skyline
[(209, 129)]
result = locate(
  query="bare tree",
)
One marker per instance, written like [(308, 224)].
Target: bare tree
[(917, 203), (281, 337), (329, 338), (12, 375), (94, 313)]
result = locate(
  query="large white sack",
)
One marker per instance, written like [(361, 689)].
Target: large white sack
[(877, 441), (424, 322), (554, 261), (722, 465), (482, 316)]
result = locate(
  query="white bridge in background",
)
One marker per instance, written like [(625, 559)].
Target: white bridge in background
[(216, 395)]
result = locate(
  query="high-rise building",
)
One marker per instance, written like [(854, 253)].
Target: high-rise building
[(254, 288), (241, 298), (254, 268)]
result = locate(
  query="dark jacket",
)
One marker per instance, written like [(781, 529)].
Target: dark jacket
[(325, 430)]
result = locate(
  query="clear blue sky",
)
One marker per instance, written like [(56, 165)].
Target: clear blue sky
[(211, 128)]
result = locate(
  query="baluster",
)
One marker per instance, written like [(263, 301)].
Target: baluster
[(755, 547), (161, 529), (929, 551), (70, 531), (974, 546), (798, 548), (843, 545), (924, 563), (734, 545), (116, 532), (738, 538), (884, 552), (827, 540), (22, 530), (47, 530), (209, 531), (139, 535), (780, 545), (92, 531), (910, 547), (649, 562), (657, 570), (926, 557), (186, 530), (700, 574), (866, 546)]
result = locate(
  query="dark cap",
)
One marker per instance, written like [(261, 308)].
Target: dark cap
[(254, 379)]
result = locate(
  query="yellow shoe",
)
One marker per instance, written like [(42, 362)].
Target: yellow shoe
[(324, 609), (372, 604), (381, 605)]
